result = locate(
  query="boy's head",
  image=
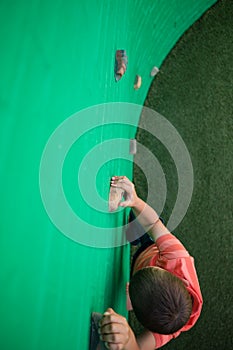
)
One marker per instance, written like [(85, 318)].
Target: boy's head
[(160, 300)]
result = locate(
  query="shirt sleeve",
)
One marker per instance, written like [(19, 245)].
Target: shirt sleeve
[(170, 247)]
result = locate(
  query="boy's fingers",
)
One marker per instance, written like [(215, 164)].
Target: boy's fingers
[(112, 328), (112, 346), (124, 185), (112, 318), (110, 310), (120, 179), (124, 204), (115, 338)]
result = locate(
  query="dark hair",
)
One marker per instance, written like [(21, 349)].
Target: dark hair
[(160, 300)]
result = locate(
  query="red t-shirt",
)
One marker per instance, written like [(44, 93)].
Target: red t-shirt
[(169, 254)]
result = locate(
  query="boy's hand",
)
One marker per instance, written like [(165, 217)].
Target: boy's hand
[(130, 194), (114, 330)]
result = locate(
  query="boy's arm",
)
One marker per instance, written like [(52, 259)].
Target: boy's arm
[(146, 341), (117, 334), (146, 215)]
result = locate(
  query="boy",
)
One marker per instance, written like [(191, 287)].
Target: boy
[(163, 291)]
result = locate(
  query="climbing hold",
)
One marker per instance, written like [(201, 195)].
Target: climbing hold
[(121, 62), (133, 146), (95, 342), (137, 82), (154, 71)]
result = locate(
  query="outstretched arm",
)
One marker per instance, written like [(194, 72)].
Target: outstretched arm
[(146, 215)]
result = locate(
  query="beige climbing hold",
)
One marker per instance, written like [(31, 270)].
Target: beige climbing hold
[(115, 197), (137, 82), (154, 71)]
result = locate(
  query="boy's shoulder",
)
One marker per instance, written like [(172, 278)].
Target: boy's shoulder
[(171, 247)]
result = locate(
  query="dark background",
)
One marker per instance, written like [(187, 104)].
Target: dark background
[(193, 90)]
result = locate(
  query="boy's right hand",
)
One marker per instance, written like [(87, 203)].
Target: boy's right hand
[(130, 194)]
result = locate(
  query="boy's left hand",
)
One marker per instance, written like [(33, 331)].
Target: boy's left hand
[(114, 330)]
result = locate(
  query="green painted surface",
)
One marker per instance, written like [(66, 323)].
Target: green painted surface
[(57, 57)]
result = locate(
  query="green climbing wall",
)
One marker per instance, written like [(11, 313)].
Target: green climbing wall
[(57, 57)]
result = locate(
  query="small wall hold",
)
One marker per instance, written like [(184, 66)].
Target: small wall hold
[(121, 61), (94, 334), (154, 71), (137, 82), (133, 146)]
